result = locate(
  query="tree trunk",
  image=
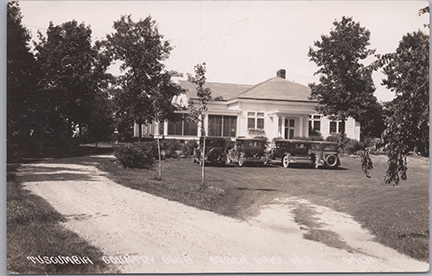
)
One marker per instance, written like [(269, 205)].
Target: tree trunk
[(203, 164), (159, 154)]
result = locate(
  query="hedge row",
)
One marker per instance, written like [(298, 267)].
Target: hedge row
[(144, 154)]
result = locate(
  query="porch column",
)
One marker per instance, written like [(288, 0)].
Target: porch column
[(283, 128), (276, 119), (165, 128), (301, 126), (206, 124)]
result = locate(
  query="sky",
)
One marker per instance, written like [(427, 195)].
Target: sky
[(243, 42)]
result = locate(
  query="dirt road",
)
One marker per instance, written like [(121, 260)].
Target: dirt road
[(142, 233)]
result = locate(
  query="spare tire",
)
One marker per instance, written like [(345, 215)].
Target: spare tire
[(332, 160)]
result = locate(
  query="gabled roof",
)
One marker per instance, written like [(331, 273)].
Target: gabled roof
[(277, 88), (225, 90)]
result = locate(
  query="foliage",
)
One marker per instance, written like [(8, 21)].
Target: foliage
[(146, 89), (21, 83), (407, 121), (310, 138), (345, 144), (345, 86), (136, 155), (101, 126), (366, 162), (188, 147), (169, 147), (197, 114), (72, 73)]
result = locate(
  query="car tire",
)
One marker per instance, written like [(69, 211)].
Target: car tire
[(331, 161), (285, 161), (241, 161)]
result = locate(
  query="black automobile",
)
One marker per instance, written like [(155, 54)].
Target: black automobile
[(325, 154), (248, 150), (290, 151), (214, 150)]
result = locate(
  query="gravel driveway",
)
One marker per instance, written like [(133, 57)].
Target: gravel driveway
[(142, 233)]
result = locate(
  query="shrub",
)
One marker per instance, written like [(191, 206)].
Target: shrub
[(345, 144), (137, 155), (352, 146), (169, 147), (310, 138), (188, 147)]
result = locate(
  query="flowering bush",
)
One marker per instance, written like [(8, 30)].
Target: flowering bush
[(256, 131)]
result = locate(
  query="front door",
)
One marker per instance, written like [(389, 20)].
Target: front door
[(289, 128)]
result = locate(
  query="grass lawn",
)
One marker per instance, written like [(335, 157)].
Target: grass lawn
[(33, 229), (397, 216)]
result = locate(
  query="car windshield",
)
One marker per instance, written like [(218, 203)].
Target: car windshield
[(300, 146), (254, 144), (315, 147), (281, 145)]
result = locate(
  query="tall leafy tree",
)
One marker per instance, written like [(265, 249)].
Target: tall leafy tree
[(71, 77), (147, 89), (345, 87), (21, 81), (407, 121), (197, 112)]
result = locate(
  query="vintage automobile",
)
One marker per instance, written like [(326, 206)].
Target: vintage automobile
[(325, 154), (291, 152), (248, 150), (214, 150)]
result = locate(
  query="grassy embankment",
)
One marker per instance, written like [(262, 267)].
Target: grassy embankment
[(397, 216)]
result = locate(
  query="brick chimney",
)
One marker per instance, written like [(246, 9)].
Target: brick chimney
[(281, 73)]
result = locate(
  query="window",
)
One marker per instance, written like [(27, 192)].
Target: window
[(222, 126), (255, 120), (333, 126), (182, 127), (337, 127), (314, 124), (229, 126), (292, 123), (342, 127)]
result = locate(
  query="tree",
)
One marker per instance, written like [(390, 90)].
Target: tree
[(346, 87), (147, 89), (101, 124), (71, 75), (407, 121), (21, 82), (197, 114)]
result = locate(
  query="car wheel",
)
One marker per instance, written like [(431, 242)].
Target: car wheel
[(241, 161), (331, 161), (286, 161)]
